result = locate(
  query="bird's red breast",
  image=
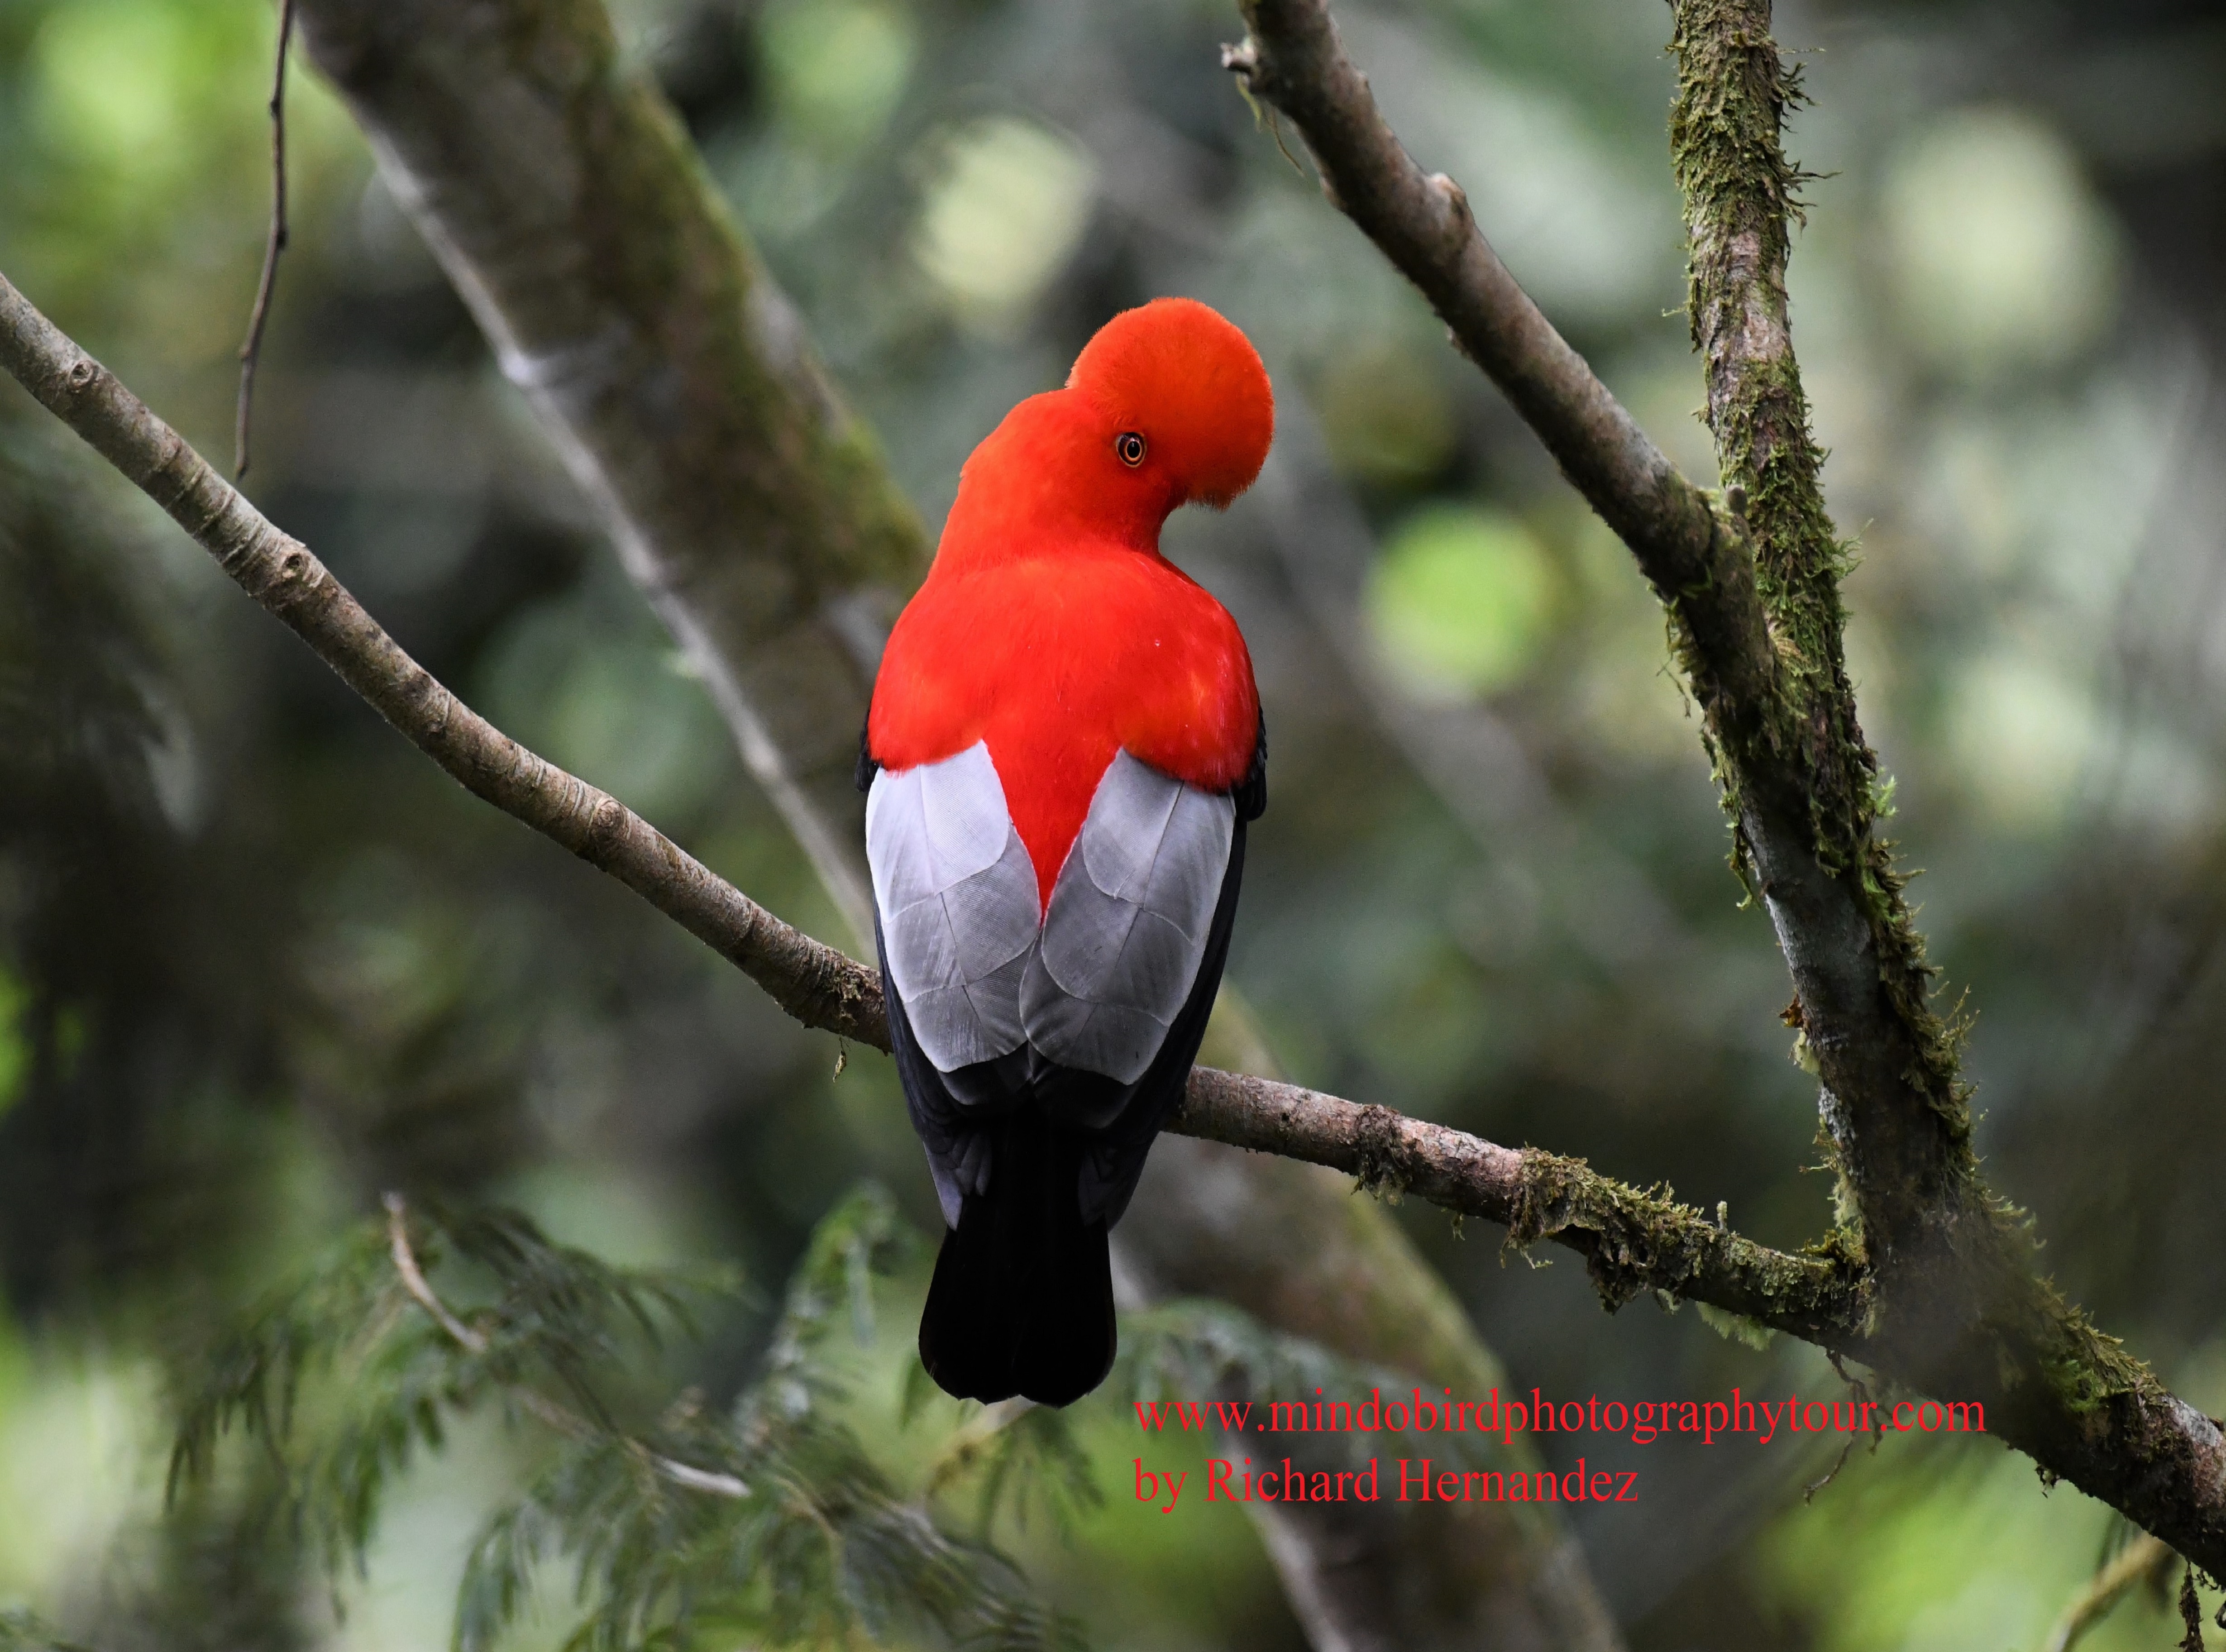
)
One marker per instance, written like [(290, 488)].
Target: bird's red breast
[(1050, 625), (1058, 662)]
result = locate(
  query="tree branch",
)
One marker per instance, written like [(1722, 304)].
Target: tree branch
[(2143, 1560), (250, 352), (562, 198), (2138, 1447), (1953, 1303), (1803, 797), (813, 982), (1633, 1240), (1691, 553)]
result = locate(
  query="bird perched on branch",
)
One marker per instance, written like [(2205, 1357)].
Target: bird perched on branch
[(1064, 748)]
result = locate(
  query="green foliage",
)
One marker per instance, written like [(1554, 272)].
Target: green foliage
[(554, 1316), (1187, 1348), (1459, 600), (767, 1521), (1025, 1460)]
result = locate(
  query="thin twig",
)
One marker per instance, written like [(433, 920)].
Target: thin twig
[(2145, 1560), (1808, 1492), (567, 1423), (413, 1279), (252, 351)]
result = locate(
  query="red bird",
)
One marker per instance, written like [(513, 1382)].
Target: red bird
[(1064, 747)]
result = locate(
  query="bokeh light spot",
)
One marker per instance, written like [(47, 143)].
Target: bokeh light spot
[(1004, 215), (2003, 255), (1458, 601)]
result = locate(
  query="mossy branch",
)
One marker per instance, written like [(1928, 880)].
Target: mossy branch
[(1650, 1242), (1903, 1139), (1949, 1293)]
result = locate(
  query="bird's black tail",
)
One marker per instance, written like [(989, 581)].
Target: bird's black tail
[(1022, 1300)]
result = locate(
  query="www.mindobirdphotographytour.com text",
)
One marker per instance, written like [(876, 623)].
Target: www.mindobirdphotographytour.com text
[(1446, 1442)]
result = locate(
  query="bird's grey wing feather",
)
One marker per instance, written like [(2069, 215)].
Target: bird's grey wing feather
[(956, 896), (1128, 923)]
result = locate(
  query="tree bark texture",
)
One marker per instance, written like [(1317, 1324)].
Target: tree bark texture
[(567, 206)]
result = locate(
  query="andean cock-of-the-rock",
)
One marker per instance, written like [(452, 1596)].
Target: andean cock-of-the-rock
[(1064, 748)]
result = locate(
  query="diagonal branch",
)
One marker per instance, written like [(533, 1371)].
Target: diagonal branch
[(2135, 1445), (565, 201), (560, 192), (1692, 555), (1954, 1302), (1633, 1241), (813, 982)]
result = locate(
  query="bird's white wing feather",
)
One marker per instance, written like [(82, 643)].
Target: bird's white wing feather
[(1126, 927), (958, 905)]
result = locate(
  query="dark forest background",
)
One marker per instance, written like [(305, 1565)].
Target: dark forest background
[(259, 962)]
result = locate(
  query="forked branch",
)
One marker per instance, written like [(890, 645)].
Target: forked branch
[(1953, 1303)]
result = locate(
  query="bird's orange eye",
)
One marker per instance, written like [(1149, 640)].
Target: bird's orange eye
[(1131, 445)]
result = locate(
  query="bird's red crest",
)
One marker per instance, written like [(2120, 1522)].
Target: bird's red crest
[(1193, 386)]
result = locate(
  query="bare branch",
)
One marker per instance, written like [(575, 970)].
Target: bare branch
[(1635, 1241), (1293, 60), (250, 352), (813, 982)]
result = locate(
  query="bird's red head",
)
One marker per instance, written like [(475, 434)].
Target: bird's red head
[(1167, 405), (1190, 386)]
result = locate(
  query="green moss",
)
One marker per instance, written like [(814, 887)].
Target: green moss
[(764, 433), (1741, 194), (2084, 1367), (1635, 1239)]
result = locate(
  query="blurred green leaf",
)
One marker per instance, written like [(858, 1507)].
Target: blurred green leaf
[(1459, 601)]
